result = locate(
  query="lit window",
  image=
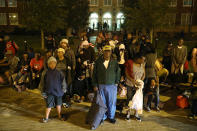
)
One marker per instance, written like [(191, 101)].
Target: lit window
[(3, 19), (107, 2), (2, 3), (107, 18), (119, 20), (119, 2), (93, 20), (173, 3), (12, 3), (186, 19), (187, 2), (93, 2), (13, 18)]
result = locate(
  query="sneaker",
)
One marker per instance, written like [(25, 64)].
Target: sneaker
[(66, 105), (192, 117), (44, 120), (128, 119), (102, 122), (93, 128), (157, 109), (138, 119), (148, 109), (113, 121)]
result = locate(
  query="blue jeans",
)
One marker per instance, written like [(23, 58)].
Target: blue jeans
[(109, 96), (150, 99)]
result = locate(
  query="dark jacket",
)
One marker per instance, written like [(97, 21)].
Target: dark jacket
[(88, 54), (54, 83), (108, 76), (70, 57)]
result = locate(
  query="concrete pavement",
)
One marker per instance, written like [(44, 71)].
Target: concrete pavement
[(23, 111)]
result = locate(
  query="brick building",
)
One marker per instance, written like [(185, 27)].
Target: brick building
[(108, 11), (9, 14), (183, 17)]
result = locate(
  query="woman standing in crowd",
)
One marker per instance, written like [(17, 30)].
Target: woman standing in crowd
[(134, 71)]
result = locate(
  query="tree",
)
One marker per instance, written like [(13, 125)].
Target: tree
[(146, 14), (52, 15), (78, 15), (43, 15)]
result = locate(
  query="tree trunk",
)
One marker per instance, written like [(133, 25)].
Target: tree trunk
[(68, 32), (42, 39)]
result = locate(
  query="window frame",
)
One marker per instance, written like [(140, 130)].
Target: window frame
[(172, 22), (4, 3), (95, 3), (107, 3), (13, 5), (10, 23), (6, 22), (173, 5), (188, 5), (119, 5), (188, 19)]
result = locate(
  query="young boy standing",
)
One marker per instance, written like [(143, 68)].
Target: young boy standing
[(54, 88)]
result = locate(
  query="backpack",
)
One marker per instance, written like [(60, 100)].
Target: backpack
[(182, 101)]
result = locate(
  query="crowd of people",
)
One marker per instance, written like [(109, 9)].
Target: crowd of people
[(129, 62)]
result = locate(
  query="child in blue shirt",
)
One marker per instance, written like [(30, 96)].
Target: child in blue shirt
[(54, 88)]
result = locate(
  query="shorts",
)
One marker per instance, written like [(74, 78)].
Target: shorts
[(53, 101)]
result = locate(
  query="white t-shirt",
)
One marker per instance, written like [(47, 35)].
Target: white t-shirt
[(106, 63), (122, 60)]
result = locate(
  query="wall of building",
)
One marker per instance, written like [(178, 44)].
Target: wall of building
[(114, 9), (100, 9)]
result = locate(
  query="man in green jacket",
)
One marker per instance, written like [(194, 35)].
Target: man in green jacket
[(106, 76)]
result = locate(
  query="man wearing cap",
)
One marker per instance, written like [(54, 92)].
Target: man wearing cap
[(106, 76)]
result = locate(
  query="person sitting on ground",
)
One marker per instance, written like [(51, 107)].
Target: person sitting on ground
[(36, 65), (54, 88), (11, 46), (152, 88), (161, 71), (9, 65), (23, 72)]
